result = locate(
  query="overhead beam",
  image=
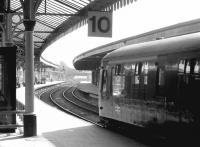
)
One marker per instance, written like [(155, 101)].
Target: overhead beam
[(35, 31), (66, 5), (57, 14), (47, 14)]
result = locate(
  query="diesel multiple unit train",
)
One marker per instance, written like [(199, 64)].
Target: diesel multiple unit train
[(153, 84)]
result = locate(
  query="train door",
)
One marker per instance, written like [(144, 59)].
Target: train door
[(160, 83), (140, 81), (194, 88), (188, 85), (105, 100)]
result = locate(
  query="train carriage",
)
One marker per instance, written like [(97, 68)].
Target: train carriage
[(153, 83)]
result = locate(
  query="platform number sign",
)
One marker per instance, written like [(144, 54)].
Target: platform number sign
[(99, 24)]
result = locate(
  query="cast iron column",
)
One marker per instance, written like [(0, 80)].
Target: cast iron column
[(29, 23)]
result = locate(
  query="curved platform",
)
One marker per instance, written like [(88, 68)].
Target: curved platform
[(58, 129), (89, 88)]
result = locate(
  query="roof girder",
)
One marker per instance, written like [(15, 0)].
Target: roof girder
[(71, 15)]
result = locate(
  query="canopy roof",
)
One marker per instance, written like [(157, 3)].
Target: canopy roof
[(55, 18)]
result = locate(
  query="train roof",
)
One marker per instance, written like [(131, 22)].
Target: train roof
[(155, 48)]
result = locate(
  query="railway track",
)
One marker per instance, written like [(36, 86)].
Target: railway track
[(63, 97)]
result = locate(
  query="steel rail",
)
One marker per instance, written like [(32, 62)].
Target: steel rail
[(71, 112), (78, 100)]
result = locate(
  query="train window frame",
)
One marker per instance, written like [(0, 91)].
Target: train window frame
[(104, 81), (118, 85), (181, 66), (119, 69), (145, 70), (138, 72), (188, 67), (137, 69), (119, 79), (161, 76)]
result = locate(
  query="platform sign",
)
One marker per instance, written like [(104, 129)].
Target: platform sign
[(99, 24)]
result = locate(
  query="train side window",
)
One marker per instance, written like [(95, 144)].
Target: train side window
[(184, 66), (119, 79), (119, 69), (188, 67), (137, 69), (127, 69), (181, 66), (133, 68), (161, 77), (145, 69), (118, 85), (197, 67), (137, 81)]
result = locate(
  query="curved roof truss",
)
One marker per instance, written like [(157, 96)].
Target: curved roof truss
[(55, 18)]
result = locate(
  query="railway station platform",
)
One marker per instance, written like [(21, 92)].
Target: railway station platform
[(58, 129), (88, 88)]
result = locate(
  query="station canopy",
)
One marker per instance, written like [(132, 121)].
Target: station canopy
[(56, 18)]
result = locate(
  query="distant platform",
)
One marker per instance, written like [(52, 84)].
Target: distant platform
[(88, 88)]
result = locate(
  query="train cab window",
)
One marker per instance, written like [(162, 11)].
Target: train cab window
[(104, 81)]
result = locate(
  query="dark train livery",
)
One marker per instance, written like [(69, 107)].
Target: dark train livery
[(155, 83)]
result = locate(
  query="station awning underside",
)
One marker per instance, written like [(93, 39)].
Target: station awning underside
[(91, 59), (55, 18)]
